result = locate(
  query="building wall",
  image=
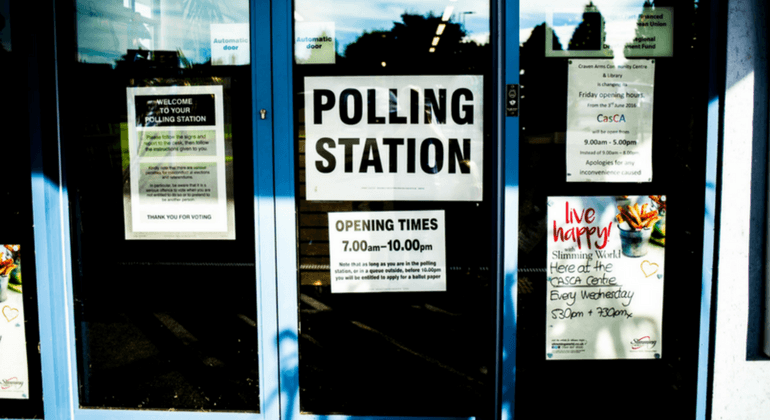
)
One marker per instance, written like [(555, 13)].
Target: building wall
[(741, 381)]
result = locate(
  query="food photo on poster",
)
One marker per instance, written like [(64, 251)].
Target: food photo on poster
[(605, 272), (14, 371)]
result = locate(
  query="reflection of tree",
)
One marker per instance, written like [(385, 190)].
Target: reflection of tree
[(544, 84), (589, 34), (3, 52), (406, 47)]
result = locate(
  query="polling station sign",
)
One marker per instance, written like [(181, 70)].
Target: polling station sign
[(394, 138)]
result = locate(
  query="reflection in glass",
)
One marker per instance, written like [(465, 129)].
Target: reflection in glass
[(107, 29), (553, 33), (160, 324), (5, 27), (601, 28)]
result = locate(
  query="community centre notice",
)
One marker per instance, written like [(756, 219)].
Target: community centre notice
[(609, 120), (605, 270), (394, 138), (179, 180)]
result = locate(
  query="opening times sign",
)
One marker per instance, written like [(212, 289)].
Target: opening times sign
[(605, 270), (388, 251), (385, 138)]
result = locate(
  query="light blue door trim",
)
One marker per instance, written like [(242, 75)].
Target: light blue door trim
[(285, 220), (264, 208), (510, 202), (48, 234), (713, 140)]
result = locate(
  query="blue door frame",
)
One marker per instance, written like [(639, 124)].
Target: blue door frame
[(505, 59), (276, 263)]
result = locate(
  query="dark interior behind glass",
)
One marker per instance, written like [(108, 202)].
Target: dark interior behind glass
[(160, 324), (21, 90)]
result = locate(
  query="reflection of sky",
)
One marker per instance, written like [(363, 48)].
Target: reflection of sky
[(353, 17), (620, 18), (108, 28), (104, 34)]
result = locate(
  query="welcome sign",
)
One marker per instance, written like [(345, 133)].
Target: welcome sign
[(385, 138)]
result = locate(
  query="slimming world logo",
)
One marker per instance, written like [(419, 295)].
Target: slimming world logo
[(11, 383), (643, 343)]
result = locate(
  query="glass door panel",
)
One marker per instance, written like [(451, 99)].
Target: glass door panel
[(600, 82), (158, 147), (394, 208)]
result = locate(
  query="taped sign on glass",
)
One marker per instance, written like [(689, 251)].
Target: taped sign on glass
[(180, 184), (387, 251), (605, 266), (383, 138)]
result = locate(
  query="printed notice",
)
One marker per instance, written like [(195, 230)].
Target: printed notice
[(654, 36), (314, 43), (14, 370), (588, 31), (230, 44), (178, 184), (390, 138), (609, 121), (605, 271), (389, 251)]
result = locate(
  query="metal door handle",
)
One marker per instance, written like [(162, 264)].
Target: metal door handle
[(263, 113)]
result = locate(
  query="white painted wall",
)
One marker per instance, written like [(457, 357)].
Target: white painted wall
[(741, 388)]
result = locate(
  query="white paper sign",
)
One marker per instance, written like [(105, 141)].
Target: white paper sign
[(230, 44), (14, 370), (178, 183), (654, 35), (605, 279), (612, 31), (388, 251), (314, 43), (609, 121), (386, 138)]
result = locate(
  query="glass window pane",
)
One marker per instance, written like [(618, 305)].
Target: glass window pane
[(407, 352), (558, 132), (157, 125)]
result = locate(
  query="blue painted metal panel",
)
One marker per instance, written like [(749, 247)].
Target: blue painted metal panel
[(510, 201), (264, 210), (286, 261), (51, 241)]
